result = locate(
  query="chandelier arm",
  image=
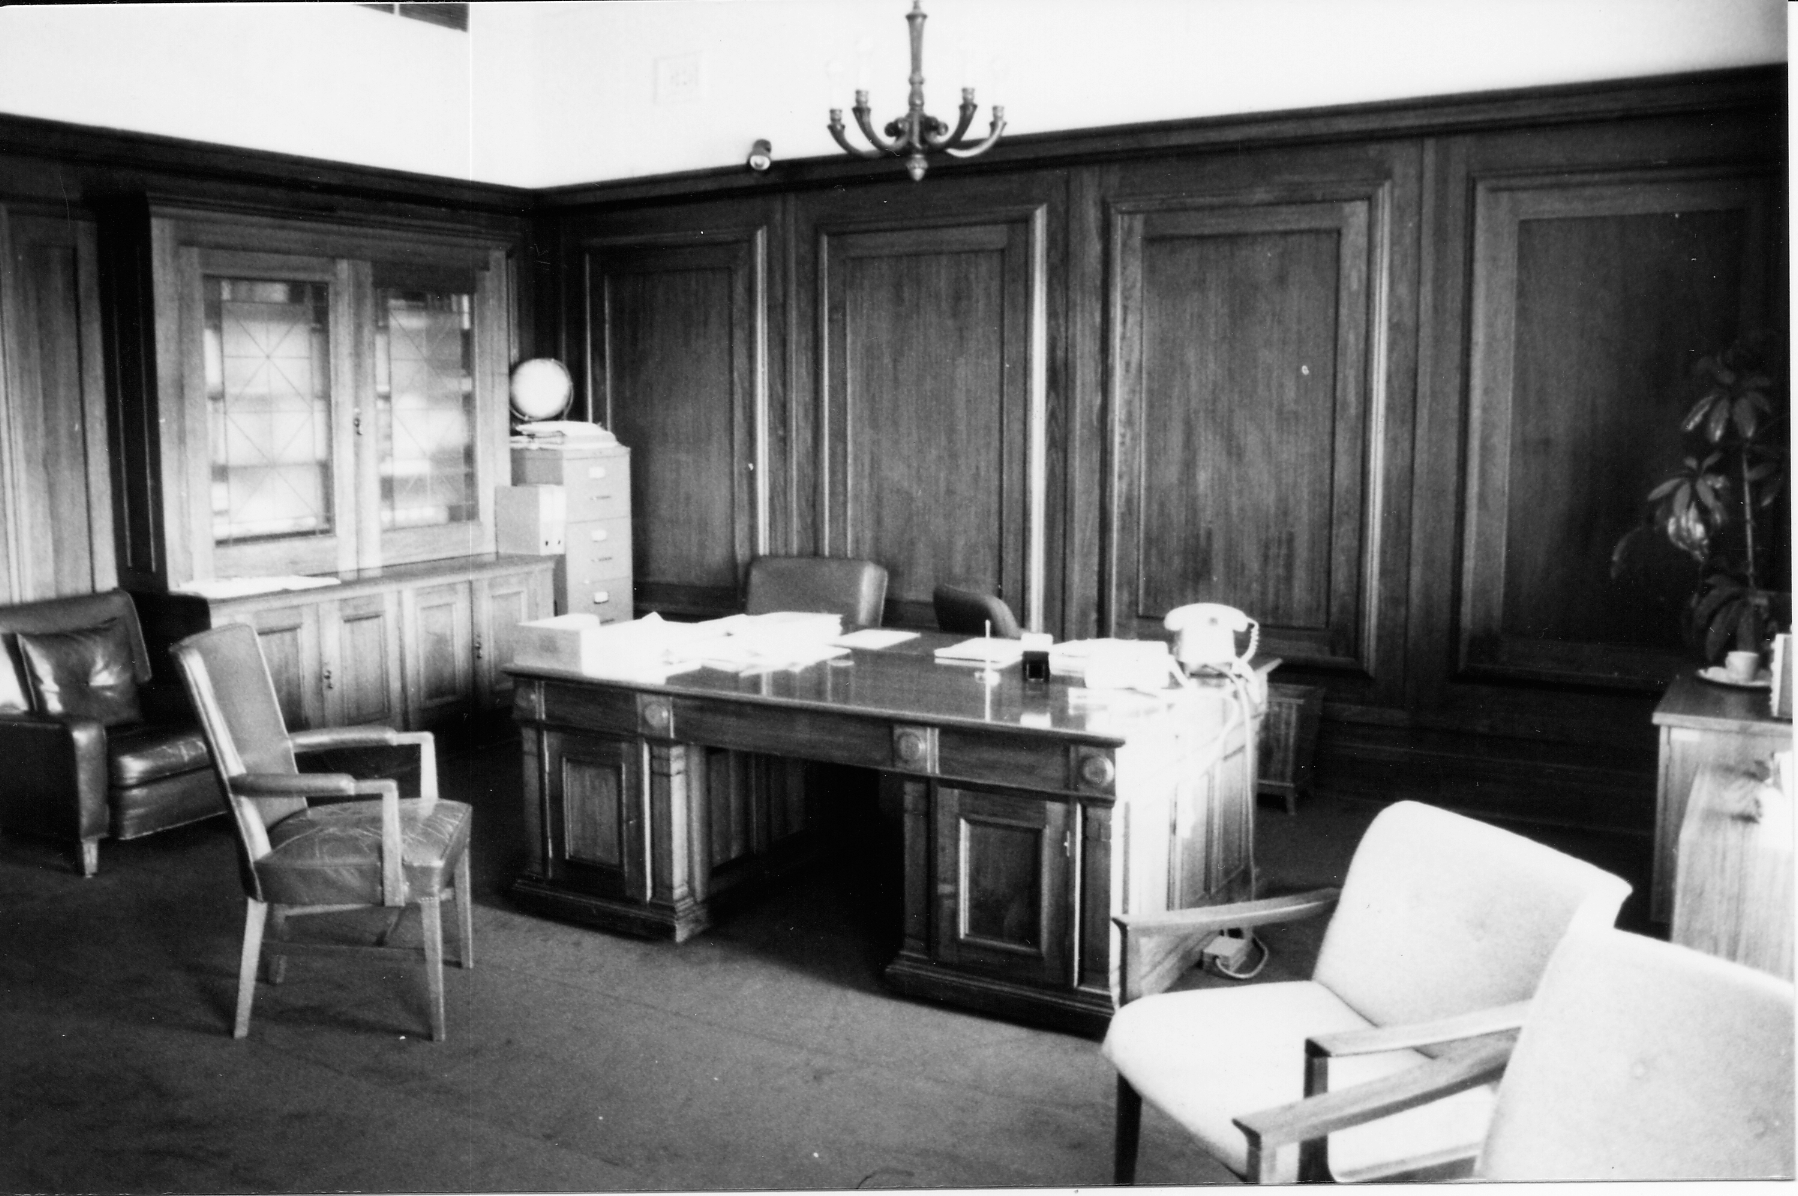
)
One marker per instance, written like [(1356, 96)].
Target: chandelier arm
[(998, 127), (961, 126), (836, 130), (861, 118)]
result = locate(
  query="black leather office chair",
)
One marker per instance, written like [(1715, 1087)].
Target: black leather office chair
[(857, 590), (970, 612)]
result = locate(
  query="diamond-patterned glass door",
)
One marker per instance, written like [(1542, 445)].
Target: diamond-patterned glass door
[(268, 390), (425, 407)]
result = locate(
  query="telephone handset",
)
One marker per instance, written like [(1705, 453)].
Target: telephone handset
[(1205, 636)]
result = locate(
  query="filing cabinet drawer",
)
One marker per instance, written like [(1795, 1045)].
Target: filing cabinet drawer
[(608, 597), (599, 549), (598, 488)]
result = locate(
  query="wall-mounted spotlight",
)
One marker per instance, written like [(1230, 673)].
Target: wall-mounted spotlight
[(761, 155)]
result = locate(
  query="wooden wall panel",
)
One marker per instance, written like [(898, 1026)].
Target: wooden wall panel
[(676, 336), (1607, 290), (1258, 368), (56, 537), (932, 436)]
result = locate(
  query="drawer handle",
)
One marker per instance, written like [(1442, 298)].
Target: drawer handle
[(328, 682), (600, 533), (602, 595), (477, 647), (596, 471)]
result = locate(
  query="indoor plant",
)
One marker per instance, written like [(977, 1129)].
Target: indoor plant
[(1723, 506)]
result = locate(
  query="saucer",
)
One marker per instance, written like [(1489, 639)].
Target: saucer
[(1716, 676)]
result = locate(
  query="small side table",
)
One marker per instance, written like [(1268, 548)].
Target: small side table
[(1700, 724), (1733, 895)]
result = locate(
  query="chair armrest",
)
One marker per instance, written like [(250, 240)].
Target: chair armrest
[(1317, 1117), (1413, 1035), (319, 739), (57, 777), (326, 738), (294, 784), (1157, 947)]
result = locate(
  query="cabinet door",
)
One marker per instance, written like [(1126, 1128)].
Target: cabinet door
[(500, 605), (1003, 864), (1212, 848), (290, 645), (361, 647), (439, 645), (594, 812)]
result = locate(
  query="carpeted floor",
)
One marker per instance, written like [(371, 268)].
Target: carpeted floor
[(764, 1054)]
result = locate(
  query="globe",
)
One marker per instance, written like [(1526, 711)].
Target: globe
[(541, 388)]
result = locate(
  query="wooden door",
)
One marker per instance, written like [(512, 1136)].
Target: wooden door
[(439, 647), (1245, 442), (1003, 869), (595, 811), (500, 605), (360, 638), (1591, 299), (289, 636), (678, 344)]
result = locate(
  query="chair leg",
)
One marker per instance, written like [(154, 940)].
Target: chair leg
[(255, 916), (90, 856), (1129, 1131), (431, 914), (274, 964), (465, 911)]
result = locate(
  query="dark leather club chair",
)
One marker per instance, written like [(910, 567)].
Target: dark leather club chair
[(970, 612), (300, 858), (91, 748), (857, 590)]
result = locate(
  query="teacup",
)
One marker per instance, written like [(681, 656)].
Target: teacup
[(1742, 667)]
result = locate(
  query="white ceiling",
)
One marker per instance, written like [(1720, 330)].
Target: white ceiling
[(539, 94)]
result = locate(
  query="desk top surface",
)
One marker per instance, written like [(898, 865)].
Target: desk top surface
[(905, 683)]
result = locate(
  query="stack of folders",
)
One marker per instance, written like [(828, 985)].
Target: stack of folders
[(652, 650), (991, 651)]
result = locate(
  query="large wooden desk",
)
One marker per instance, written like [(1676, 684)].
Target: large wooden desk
[(1030, 814)]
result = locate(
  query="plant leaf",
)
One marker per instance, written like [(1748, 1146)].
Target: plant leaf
[(1707, 494), (1719, 419), (1670, 485), (1745, 418), (1699, 410)]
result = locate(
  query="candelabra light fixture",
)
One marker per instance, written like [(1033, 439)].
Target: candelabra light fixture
[(916, 134)]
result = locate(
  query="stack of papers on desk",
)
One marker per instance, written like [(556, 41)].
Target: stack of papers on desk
[(987, 650), (766, 643), (651, 649)]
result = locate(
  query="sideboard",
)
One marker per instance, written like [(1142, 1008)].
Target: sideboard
[(416, 646), (1702, 723)]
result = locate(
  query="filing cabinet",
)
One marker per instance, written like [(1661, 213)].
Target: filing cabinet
[(594, 572)]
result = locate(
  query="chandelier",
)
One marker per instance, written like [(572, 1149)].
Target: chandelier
[(916, 134)]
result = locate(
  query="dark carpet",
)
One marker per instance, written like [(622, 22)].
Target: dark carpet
[(763, 1054)]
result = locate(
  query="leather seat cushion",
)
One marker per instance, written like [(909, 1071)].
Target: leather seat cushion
[(330, 854), (140, 754), (1206, 1056)]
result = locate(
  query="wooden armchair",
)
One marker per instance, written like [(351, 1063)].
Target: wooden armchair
[(1441, 923), (1638, 1060), (306, 844)]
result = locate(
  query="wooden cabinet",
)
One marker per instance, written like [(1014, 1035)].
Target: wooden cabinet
[(414, 646), (1005, 867), (1703, 725)]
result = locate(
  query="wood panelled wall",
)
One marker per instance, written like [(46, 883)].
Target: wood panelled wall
[(1392, 379)]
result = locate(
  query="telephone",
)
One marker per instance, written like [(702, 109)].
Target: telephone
[(1205, 637)]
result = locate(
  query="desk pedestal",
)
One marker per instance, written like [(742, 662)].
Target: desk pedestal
[(646, 811)]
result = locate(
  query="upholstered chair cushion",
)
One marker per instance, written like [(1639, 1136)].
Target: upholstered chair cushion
[(331, 854), (972, 612), (87, 672), (1208, 1055), (139, 755), (857, 590)]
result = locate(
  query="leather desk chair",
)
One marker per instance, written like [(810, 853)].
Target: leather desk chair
[(970, 612), (857, 590), (1638, 1060), (91, 748), (299, 858), (1441, 921)]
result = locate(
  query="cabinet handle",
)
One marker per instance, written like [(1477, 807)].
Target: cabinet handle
[(599, 533), (602, 595), (477, 647), (328, 683), (356, 424), (1067, 844)]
